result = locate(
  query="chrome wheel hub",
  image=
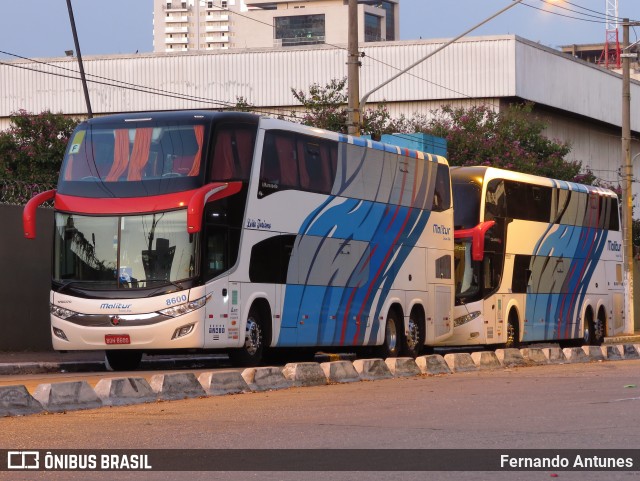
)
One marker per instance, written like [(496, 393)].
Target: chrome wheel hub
[(252, 341), (391, 336)]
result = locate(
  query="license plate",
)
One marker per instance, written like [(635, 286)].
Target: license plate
[(117, 339)]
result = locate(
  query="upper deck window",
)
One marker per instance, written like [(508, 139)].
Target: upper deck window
[(121, 154), (123, 158)]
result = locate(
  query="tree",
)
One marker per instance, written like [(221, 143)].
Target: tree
[(326, 108), (510, 139), (31, 150)]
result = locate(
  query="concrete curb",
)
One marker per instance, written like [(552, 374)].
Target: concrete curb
[(432, 364), (460, 362), (534, 355), (372, 369), (402, 366), (177, 385), (218, 383), (555, 355), (304, 374), (265, 378), (16, 401), (630, 351), (121, 391), (510, 357), (594, 353), (67, 396), (486, 360), (575, 354), (340, 371), (58, 397), (612, 352)]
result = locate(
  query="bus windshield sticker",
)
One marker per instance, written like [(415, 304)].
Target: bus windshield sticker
[(77, 141)]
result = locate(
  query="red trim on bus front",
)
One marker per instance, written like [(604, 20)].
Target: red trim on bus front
[(29, 212), (192, 200), (477, 238), (204, 194), (123, 205)]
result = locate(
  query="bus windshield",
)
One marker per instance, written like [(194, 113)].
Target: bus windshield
[(135, 251), (129, 159)]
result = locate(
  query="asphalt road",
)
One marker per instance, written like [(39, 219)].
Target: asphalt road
[(581, 406)]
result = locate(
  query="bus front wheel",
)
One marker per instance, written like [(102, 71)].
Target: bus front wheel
[(122, 360), (250, 354), (513, 331)]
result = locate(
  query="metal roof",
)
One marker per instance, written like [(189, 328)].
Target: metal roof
[(489, 68)]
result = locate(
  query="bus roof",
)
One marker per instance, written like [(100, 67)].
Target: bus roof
[(480, 174)]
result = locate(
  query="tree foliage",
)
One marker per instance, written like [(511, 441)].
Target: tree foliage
[(31, 150), (511, 139), (325, 107)]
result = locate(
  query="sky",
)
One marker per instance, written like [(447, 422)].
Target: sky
[(41, 28)]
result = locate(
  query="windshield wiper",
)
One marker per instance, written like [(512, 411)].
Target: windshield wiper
[(166, 283), (67, 284)]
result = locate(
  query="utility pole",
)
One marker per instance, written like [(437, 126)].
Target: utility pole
[(627, 174), (353, 72), (77, 44)]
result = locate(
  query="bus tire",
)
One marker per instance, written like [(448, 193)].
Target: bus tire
[(414, 339), (589, 329), (250, 354), (392, 336), (601, 326), (122, 360), (513, 330)]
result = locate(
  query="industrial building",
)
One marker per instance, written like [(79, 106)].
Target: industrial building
[(580, 101)]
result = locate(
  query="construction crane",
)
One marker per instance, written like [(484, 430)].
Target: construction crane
[(610, 56)]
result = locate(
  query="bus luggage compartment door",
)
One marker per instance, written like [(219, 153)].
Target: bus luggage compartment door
[(443, 315)]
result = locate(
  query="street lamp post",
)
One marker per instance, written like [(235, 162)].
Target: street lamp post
[(363, 101)]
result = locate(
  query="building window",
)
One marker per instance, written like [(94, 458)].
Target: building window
[(168, 4), (223, 4), (300, 30), (389, 8), (372, 28)]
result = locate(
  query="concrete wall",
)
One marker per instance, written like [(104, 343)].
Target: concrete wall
[(25, 282)]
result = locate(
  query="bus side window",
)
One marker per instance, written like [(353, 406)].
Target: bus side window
[(442, 192), (314, 164), (614, 219), (232, 153)]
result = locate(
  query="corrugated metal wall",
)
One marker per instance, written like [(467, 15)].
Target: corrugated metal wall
[(482, 67)]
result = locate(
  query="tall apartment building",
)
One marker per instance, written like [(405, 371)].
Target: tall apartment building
[(186, 25)]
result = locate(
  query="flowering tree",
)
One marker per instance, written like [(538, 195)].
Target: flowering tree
[(510, 139), (31, 150)]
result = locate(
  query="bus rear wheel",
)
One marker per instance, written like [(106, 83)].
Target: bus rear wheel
[(122, 360), (414, 340), (250, 354), (392, 336), (593, 331)]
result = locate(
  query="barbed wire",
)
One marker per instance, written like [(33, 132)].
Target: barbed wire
[(18, 192)]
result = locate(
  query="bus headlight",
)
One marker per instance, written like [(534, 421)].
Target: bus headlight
[(185, 308), (60, 312), (459, 321)]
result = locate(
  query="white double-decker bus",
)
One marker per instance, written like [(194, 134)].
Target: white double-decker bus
[(536, 259), (229, 231)]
